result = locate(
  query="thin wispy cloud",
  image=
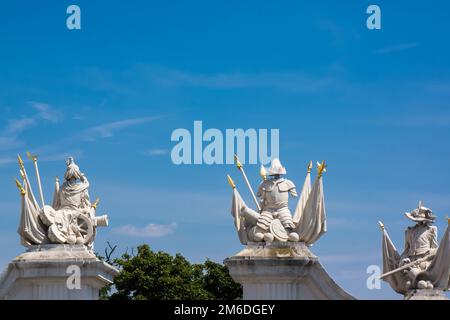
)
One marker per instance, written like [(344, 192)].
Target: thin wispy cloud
[(149, 231), (46, 112), (9, 136), (396, 48), (16, 126), (291, 81), (6, 160), (107, 130), (156, 152)]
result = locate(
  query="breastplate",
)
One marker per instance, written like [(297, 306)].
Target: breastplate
[(275, 199)]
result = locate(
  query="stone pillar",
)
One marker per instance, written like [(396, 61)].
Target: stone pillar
[(42, 273), (282, 271)]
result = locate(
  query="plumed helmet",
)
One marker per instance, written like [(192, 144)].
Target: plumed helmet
[(276, 168)]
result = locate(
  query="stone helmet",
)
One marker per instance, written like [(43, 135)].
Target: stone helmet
[(276, 168), (421, 214)]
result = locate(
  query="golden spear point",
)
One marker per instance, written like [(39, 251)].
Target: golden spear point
[(310, 165), (19, 159), (238, 163), (321, 168), (231, 182), (97, 201), (31, 157), (20, 187), (448, 219), (381, 225)]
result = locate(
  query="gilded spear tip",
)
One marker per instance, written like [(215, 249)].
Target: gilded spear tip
[(448, 219), (20, 187), (231, 182), (31, 157), (19, 159), (381, 225), (97, 201), (238, 163), (310, 166), (321, 168)]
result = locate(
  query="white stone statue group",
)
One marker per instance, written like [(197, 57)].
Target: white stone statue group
[(273, 220), (423, 264), (71, 219)]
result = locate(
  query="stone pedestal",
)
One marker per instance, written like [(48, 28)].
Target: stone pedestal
[(282, 271), (49, 272), (426, 294)]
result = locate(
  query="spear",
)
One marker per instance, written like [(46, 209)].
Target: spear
[(34, 159), (321, 168), (241, 169)]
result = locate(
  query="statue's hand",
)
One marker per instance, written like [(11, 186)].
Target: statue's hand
[(405, 261)]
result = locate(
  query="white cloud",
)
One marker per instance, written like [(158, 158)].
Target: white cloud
[(45, 111), (156, 152), (6, 160), (16, 126), (107, 130), (292, 81), (149, 231)]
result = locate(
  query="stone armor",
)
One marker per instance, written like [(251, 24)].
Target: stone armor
[(274, 196)]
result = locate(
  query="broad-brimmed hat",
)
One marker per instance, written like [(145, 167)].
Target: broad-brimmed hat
[(421, 214)]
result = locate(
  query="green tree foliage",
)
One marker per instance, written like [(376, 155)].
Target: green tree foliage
[(150, 275)]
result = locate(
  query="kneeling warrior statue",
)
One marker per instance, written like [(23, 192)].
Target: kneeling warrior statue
[(274, 193), (273, 220)]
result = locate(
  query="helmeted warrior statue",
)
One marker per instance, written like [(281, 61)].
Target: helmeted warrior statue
[(273, 220), (72, 217), (274, 193), (423, 264)]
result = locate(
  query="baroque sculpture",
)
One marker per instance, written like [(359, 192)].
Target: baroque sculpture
[(273, 220), (71, 219), (423, 265)]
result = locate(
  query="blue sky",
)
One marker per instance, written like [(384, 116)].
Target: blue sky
[(374, 104)]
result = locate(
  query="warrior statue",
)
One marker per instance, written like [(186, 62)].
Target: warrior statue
[(273, 220), (274, 193), (423, 264), (70, 220)]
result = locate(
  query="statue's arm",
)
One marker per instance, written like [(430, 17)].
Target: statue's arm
[(293, 192), (433, 238), (407, 246)]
